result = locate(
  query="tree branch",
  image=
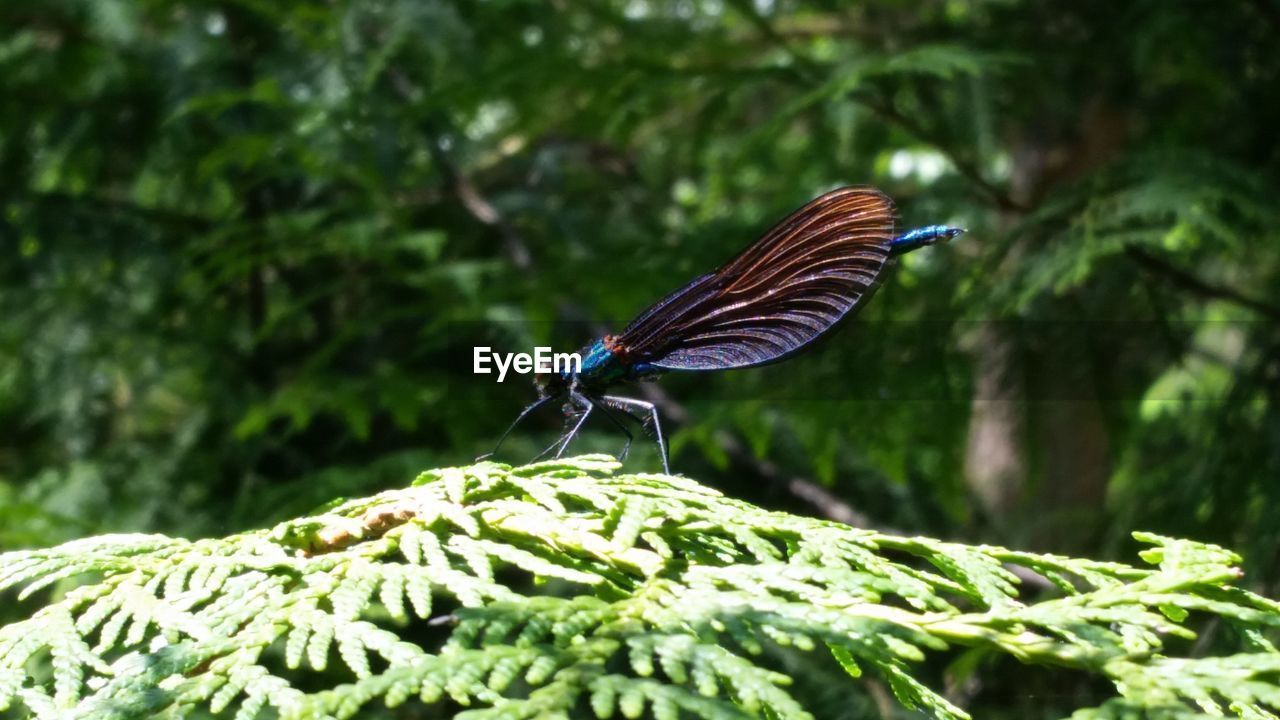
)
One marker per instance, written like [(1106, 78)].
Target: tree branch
[(111, 205), (470, 197), (1185, 280), (812, 72), (476, 204), (1269, 11), (967, 170)]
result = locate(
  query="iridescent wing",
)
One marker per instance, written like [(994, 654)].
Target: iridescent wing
[(776, 296)]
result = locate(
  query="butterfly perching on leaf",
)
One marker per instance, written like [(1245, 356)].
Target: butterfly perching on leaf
[(770, 302)]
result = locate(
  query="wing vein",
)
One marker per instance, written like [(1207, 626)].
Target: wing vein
[(776, 296)]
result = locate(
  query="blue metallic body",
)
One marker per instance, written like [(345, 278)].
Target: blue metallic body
[(601, 368), (920, 237)]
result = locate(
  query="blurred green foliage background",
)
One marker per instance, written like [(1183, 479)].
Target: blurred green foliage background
[(247, 248)]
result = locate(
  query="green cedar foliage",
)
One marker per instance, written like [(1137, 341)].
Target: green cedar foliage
[(238, 275), (562, 588)]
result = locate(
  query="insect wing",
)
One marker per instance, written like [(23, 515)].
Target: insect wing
[(776, 296)]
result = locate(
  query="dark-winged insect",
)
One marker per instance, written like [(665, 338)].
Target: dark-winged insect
[(770, 302)]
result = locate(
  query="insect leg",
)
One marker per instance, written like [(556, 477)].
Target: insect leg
[(652, 412), (523, 413), (607, 412), (572, 413), (586, 412)]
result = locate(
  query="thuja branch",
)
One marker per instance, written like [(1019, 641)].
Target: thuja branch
[(564, 587)]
